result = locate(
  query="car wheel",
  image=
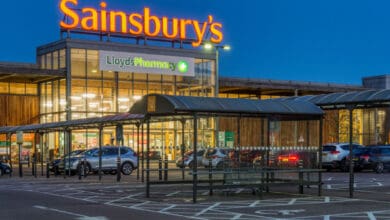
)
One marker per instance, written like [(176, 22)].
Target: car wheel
[(127, 168), (191, 165), (379, 168), (85, 170)]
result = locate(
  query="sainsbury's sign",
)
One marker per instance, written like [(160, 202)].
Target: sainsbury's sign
[(138, 24), (146, 63)]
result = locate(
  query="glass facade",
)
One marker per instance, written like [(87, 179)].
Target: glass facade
[(96, 93)]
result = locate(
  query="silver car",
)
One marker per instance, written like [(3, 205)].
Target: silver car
[(216, 155), (334, 155), (89, 160), (188, 160)]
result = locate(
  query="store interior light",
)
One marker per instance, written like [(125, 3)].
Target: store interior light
[(48, 104), (137, 97), (123, 99), (107, 101), (94, 71), (93, 104), (62, 102), (123, 107), (76, 98), (226, 47), (73, 107), (89, 95)]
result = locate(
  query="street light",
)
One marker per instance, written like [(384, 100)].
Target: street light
[(209, 46)]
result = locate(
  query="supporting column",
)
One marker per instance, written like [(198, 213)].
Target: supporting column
[(147, 158), (182, 147), (351, 174), (143, 154), (100, 151), (320, 158), (41, 146), (138, 125), (195, 167), (8, 141), (239, 141)]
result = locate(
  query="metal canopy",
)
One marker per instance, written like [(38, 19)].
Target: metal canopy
[(362, 99), (109, 120), (156, 104)]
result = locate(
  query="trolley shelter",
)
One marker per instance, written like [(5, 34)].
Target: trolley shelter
[(158, 108)]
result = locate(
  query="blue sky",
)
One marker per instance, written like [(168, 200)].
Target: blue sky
[(308, 40)]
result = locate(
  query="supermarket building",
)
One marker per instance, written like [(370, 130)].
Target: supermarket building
[(77, 78)]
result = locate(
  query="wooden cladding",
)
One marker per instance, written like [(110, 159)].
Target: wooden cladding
[(18, 110)]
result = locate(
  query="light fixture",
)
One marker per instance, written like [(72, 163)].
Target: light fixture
[(123, 107), (208, 46), (94, 71), (62, 102), (137, 97), (123, 99), (93, 104), (89, 95), (75, 97), (48, 104)]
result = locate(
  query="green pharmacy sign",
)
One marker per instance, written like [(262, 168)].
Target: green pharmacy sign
[(146, 63)]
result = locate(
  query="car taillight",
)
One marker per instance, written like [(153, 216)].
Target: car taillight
[(280, 158), (365, 157), (335, 152), (293, 158)]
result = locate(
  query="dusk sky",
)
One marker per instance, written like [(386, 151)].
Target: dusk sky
[(307, 40)]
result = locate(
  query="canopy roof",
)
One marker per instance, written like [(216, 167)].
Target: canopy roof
[(362, 99), (156, 104), (109, 120)]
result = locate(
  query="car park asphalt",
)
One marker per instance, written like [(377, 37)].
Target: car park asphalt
[(72, 198)]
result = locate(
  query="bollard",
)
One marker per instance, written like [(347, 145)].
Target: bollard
[(160, 169), (300, 166), (79, 170), (210, 177), (166, 170), (118, 170), (47, 170)]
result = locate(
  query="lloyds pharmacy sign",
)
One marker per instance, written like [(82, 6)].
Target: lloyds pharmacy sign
[(146, 63)]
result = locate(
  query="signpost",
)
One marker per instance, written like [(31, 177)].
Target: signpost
[(119, 140)]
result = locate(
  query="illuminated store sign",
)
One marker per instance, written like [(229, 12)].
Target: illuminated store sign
[(138, 24), (146, 63)]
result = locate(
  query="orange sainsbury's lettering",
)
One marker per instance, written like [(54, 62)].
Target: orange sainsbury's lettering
[(68, 12), (215, 30), (144, 24), (136, 21), (90, 22)]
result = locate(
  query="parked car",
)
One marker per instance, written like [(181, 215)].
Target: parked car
[(89, 160), (188, 159), (54, 165), (5, 168), (361, 156), (334, 155), (379, 158), (217, 156)]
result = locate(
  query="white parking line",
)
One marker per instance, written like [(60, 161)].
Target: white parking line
[(329, 186), (327, 199), (123, 198), (326, 217), (238, 216), (253, 204), (167, 208), (139, 204), (172, 194), (207, 209), (371, 216), (292, 201), (81, 217)]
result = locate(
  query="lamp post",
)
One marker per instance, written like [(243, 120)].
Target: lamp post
[(209, 47)]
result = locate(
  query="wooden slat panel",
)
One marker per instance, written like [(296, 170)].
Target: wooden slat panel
[(18, 110)]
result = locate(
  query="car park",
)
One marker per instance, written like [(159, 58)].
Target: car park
[(334, 155), (89, 160), (188, 159), (5, 168), (216, 155)]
